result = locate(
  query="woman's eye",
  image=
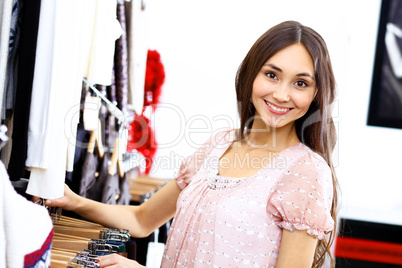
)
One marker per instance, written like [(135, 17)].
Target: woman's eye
[(271, 75), (301, 84)]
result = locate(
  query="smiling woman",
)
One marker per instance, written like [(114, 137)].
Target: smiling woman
[(288, 76), (284, 87), (262, 195)]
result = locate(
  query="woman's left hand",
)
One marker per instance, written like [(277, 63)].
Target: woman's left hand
[(118, 261)]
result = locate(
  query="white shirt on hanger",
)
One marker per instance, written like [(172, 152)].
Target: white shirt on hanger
[(105, 32), (61, 58)]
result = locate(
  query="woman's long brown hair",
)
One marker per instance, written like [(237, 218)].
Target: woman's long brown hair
[(316, 128)]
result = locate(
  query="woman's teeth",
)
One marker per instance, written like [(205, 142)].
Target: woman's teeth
[(276, 108)]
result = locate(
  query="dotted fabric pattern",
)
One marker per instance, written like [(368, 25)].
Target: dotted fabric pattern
[(238, 222)]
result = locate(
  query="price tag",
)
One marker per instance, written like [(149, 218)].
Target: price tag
[(91, 113)]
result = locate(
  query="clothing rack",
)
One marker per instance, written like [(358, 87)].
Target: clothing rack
[(78, 242), (142, 187), (117, 156), (113, 109)]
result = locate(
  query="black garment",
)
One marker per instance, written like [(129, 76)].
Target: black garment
[(96, 191), (111, 189), (26, 64), (12, 62), (73, 178), (121, 61), (88, 178), (124, 186)]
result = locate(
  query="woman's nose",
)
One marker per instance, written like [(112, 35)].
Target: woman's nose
[(281, 93)]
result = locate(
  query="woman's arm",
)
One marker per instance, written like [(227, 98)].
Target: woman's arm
[(139, 220), (297, 249)]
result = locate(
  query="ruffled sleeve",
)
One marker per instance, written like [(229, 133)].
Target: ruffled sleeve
[(302, 197), (192, 164)]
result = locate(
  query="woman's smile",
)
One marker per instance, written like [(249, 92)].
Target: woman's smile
[(277, 109)]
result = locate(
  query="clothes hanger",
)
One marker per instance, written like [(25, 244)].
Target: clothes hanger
[(73, 222), (79, 243), (92, 123), (117, 155), (96, 139), (113, 109)]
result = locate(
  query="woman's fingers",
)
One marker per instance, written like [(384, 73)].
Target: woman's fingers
[(35, 199), (116, 260), (66, 202)]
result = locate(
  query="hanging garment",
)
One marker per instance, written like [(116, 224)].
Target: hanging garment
[(110, 121), (124, 187), (104, 115), (24, 242), (88, 177), (26, 63), (96, 192), (12, 71), (121, 61), (73, 179), (137, 52), (57, 80), (95, 178), (56, 96), (90, 167), (106, 30), (61, 61), (11, 77), (111, 189), (5, 23), (103, 110)]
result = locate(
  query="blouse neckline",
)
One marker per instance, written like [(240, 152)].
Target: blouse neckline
[(216, 181)]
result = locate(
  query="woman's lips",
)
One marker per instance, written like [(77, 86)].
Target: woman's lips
[(279, 110)]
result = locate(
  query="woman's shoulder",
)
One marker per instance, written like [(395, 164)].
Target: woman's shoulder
[(308, 163), (309, 156), (307, 170)]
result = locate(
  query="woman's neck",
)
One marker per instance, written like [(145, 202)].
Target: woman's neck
[(262, 136)]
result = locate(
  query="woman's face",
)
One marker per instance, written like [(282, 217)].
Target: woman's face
[(284, 87)]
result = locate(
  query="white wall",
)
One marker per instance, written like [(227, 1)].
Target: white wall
[(202, 44)]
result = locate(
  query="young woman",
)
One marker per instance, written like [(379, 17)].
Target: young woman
[(264, 195)]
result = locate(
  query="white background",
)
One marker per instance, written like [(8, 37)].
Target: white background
[(202, 44)]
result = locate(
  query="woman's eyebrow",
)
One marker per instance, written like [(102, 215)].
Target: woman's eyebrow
[(306, 74), (273, 66)]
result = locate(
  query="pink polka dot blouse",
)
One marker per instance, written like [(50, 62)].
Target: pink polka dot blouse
[(237, 222)]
